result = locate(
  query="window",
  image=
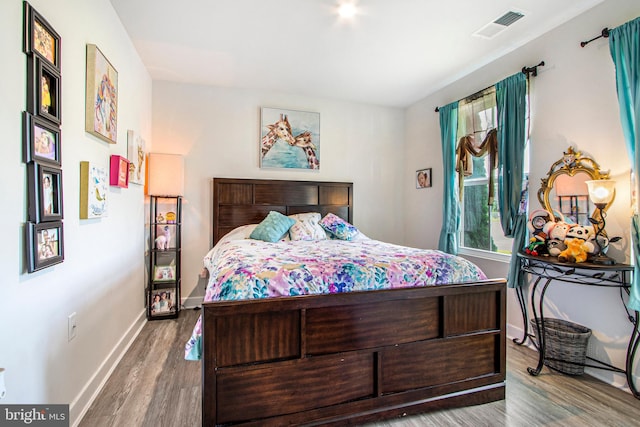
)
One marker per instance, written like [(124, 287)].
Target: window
[(478, 176)]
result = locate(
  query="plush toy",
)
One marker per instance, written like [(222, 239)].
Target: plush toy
[(579, 242), (537, 220), (557, 229), (163, 240), (555, 246), (536, 247)]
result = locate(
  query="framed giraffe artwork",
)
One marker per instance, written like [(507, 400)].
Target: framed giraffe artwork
[(289, 139)]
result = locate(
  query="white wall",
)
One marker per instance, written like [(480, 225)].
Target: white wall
[(102, 276), (218, 132), (573, 104)]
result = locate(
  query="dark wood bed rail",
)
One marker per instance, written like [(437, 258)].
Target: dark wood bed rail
[(355, 356)]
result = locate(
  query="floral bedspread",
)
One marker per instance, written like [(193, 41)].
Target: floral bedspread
[(252, 269)]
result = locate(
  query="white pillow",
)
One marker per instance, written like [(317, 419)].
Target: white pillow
[(307, 227), (311, 216), (307, 230)]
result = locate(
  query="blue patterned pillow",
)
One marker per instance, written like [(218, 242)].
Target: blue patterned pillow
[(338, 227), (273, 227)]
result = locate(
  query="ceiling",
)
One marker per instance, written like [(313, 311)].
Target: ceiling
[(391, 53)]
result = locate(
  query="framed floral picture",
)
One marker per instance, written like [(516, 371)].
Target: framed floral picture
[(101, 103), (289, 139)]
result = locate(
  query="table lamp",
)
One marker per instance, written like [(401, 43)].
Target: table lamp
[(166, 175), (601, 192)]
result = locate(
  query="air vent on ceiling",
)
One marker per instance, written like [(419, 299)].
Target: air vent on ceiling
[(500, 24), (508, 18)]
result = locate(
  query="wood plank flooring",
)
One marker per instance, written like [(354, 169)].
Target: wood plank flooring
[(154, 386)]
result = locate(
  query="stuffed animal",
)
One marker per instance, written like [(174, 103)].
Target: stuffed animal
[(537, 220), (536, 223), (536, 247), (163, 240), (555, 246), (557, 229), (579, 242)]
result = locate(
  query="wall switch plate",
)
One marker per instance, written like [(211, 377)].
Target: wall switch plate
[(73, 326)]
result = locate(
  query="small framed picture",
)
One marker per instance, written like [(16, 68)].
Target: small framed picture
[(43, 90), (41, 140), (46, 245), (40, 38), (164, 273), (94, 191), (45, 192), (119, 171), (101, 103), (423, 178), (163, 302), (136, 156)]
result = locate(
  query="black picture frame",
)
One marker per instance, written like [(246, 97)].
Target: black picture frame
[(46, 245), (45, 192), (43, 90), (423, 178), (162, 302), (41, 140), (40, 38)]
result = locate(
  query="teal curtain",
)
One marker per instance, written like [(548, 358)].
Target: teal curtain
[(624, 43), (451, 207), (511, 99)]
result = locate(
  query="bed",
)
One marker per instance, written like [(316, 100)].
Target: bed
[(343, 357)]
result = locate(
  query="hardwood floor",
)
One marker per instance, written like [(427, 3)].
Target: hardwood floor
[(154, 386)]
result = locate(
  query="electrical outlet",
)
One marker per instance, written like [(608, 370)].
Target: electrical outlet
[(73, 326)]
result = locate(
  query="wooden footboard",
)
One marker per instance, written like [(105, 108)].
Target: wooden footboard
[(353, 357)]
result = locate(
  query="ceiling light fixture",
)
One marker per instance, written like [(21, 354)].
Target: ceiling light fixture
[(347, 10)]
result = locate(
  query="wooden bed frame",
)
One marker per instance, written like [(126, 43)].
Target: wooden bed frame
[(343, 358)]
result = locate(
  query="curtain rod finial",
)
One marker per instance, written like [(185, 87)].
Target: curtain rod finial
[(437, 109), (533, 70), (604, 33)]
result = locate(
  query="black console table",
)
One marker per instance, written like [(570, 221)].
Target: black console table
[(547, 270)]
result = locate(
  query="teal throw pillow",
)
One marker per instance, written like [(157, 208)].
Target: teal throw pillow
[(273, 227)]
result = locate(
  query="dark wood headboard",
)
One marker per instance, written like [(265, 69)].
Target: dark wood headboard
[(238, 202)]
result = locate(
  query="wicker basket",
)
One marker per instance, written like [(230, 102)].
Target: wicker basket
[(565, 342)]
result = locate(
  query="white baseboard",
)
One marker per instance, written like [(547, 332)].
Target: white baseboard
[(192, 302), (80, 405)]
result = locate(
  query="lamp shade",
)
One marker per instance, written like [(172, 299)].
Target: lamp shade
[(601, 191), (166, 174)]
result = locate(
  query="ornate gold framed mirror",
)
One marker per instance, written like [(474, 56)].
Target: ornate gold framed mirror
[(564, 189)]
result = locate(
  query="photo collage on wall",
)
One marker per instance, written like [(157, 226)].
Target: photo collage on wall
[(42, 139)]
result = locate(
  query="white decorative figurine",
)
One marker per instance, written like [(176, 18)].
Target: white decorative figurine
[(164, 238)]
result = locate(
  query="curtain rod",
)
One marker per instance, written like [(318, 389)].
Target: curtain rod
[(525, 70), (604, 33)]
